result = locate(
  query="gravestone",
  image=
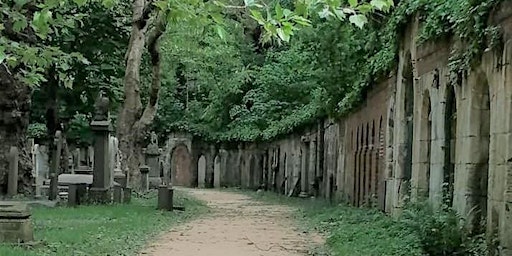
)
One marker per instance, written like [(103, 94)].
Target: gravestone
[(15, 223), (118, 194), (165, 198), (54, 167), (101, 127), (152, 154), (201, 172), (216, 172), (113, 147), (41, 168), (76, 193), (12, 183), (144, 181)]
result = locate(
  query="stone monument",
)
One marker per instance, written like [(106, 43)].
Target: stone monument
[(15, 223), (12, 184), (152, 154), (101, 127)]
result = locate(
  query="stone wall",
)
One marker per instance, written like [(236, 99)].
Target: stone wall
[(423, 132)]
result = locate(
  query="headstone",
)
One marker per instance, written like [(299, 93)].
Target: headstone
[(152, 154), (201, 172), (76, 194), (76, 158), (54, 167), (118, 193), (101, 127), (112, 145), (15, 223), (144, 181), (165, 195), (216, 172), (127, 195), (12, 183), (41, 168)]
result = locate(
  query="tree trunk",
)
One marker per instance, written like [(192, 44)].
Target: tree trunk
[(14, 117), (134, 120)]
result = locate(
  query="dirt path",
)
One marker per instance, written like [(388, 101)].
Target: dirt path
[(237, 226)]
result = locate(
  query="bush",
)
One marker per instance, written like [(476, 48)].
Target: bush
[(442, 231), (36, 131)]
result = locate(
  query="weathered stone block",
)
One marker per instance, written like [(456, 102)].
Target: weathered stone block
[(15, 223)]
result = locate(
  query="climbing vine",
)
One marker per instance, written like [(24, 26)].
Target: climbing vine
[(324, 70)]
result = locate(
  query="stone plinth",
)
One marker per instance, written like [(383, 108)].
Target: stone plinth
[(15, 223), (100, 195)]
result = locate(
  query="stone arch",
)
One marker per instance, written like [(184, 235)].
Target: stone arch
[(201, 171), (217, 171), (425, 147), (450, 144), (408, 86), (181, 174)]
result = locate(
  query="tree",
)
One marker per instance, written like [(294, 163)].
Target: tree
[(149, 22), (28, 57)]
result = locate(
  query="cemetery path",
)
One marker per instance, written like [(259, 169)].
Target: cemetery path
[(237, 226)]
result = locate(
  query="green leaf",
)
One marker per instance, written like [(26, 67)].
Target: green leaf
[(162, 5), (80, 2), (256, 15), (217, 18), (365, 8), (2, 54), (19, 25), (249, 3), (283, 35), (221, 32), (379, 4), (359, 20), (279, 12), (352, 3)]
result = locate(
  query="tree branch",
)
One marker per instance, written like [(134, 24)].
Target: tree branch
[(154, 50)]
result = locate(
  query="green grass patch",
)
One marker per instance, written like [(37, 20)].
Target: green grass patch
[(350, 231), (103, 230)]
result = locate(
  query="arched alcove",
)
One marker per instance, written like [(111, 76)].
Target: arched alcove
[(181, 174), (201, 172), (216, 172)]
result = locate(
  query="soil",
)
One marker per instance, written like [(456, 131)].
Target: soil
[(237, 226)]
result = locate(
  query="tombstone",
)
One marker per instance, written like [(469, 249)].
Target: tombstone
[(201, 172), (152, 154), (127, 195), (76, 159), (76, 193), (12, 183), (101, 127), (144, 181), (90, 156), (165, 198), (113, 147), (54, 167), (41, 168), (15, 223), (118, 193), (216, 172)]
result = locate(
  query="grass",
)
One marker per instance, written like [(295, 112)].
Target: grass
[(103, 230), (348, 230)]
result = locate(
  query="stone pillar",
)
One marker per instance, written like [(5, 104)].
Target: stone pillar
[(144, 178), (101, 127), (54, 168), (76, 194), (12, 183), (303, 167)]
